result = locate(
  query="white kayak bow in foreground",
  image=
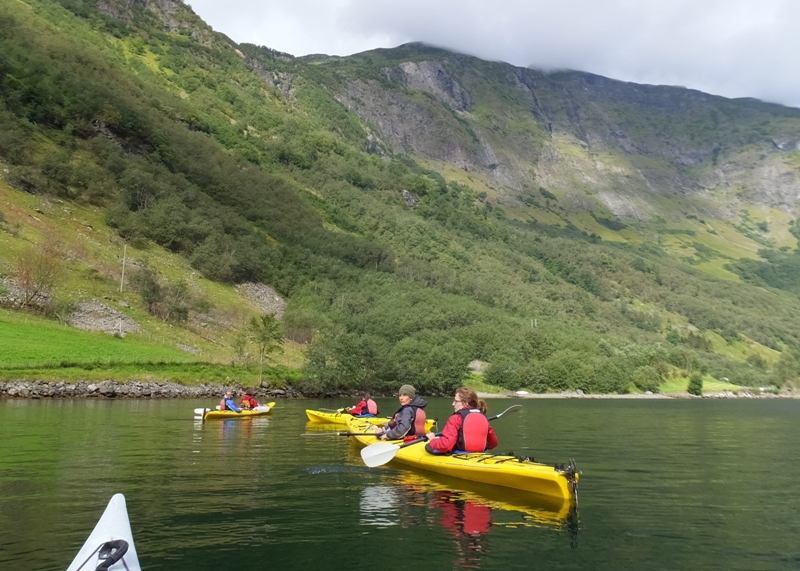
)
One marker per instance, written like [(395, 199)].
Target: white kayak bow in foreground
[(110, 545)]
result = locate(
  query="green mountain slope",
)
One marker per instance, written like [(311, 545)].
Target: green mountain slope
[(418, 209)]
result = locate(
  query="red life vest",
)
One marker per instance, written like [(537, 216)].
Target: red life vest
[(249, 401), (417, 422), (473, 432), (365, 407)]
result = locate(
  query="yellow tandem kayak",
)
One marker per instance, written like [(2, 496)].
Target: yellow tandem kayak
[(499, 470), (209, 414), (319, 416)]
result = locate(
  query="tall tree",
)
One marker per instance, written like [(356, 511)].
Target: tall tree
[(265, 332)]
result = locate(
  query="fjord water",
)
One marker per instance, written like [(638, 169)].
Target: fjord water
[(666, 484)]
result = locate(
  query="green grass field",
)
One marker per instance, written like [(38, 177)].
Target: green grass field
[(39, 349), (710, 385), (30, 341)]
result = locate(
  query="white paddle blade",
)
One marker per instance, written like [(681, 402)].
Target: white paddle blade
[(200, 411), (379, 454), (262, 408)]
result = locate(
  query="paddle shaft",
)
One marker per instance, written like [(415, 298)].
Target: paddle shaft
[(337, 433)]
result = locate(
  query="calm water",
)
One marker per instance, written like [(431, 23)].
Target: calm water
[(665, 485)]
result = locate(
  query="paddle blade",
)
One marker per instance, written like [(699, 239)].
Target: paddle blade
[(200, 411), (379, 454), (509, 410)]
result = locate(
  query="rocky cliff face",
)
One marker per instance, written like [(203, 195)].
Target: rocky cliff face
[(174, 15), (600, 142)]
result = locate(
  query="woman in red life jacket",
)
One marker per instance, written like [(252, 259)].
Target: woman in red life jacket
[(248, 401), (467, 429), (366, 408), (409, 420)]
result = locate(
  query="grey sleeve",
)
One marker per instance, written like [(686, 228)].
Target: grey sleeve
[(403, 425)]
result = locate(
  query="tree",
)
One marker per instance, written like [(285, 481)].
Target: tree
[(37, 272), (695, 384), (147, 283), (265, 332)]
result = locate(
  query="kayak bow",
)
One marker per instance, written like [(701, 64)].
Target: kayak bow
[(110, 545)]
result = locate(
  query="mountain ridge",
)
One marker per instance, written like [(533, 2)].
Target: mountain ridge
[(418, 213)]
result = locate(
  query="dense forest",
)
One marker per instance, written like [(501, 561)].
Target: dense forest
[(395, 269)]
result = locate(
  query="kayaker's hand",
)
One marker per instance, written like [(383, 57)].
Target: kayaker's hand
[(430, 436), (383, 437)]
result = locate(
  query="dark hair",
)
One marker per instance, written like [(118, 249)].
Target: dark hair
[(366, 396)]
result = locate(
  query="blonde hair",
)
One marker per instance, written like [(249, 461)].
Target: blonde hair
[(470, 397)]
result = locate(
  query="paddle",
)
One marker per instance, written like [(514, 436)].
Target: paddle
[(340, 410), (336, 433), (380, 453)]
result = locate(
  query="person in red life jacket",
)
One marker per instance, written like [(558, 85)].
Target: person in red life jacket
[(248, 402), (467, 429), (228, 404), (409, 420), (367, 408)]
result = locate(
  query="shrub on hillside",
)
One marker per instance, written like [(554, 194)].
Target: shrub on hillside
[(695, 384), (503, 373), (646, 378)]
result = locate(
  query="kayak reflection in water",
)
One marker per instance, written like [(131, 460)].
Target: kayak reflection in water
[(367, 408), (467, 429)]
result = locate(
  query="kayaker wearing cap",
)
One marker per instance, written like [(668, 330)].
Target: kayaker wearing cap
[(467, 429), (248, 400), (367, 408), (409, 420), (228, 404)]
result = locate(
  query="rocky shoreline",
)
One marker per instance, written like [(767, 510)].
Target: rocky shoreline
[(109, 389), (133, 390)]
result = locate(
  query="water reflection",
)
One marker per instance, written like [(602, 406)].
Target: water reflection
[(379, 506), (466, 511)]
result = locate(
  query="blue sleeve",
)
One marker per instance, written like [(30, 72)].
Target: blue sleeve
[(230, 405)]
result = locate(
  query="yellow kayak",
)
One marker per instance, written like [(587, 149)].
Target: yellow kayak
[(209, 414), (319, 416), (498, 470)]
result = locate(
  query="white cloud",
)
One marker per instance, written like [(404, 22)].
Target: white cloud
[(735, 48)]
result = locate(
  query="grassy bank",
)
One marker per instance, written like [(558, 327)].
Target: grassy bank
[(38, 349)]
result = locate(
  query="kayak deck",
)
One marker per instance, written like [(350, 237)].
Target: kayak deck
[(499, 470), (220, 414), (319, 416), (338, 417), (111, 541)]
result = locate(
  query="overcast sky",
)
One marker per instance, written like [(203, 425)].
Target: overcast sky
[(734, 48)]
